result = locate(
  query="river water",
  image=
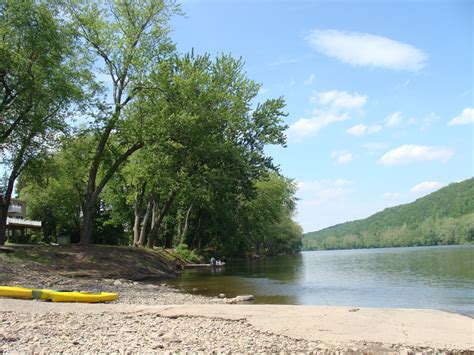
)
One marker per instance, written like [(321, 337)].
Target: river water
[(418, 277)]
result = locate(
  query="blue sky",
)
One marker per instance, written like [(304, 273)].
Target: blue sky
[(379, 93)]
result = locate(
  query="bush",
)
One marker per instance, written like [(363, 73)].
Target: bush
[(182, 250)]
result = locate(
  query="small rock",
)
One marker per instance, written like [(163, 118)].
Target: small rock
[(221, 295), (117, 282), (170, 336), (243, 298)]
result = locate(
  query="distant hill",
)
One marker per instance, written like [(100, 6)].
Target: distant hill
[(445, 216)]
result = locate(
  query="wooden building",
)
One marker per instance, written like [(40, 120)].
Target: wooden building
[(18, 226)]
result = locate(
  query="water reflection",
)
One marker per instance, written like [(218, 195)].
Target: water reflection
[(424, 277)]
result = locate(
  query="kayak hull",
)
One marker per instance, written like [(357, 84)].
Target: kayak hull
[(56, 296), (83, 297), (16, 292)]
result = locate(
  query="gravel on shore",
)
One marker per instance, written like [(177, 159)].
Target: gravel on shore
[(124, 333)]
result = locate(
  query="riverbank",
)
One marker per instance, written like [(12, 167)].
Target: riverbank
[(155, 317)]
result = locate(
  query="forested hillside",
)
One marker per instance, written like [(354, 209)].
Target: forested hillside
[(443, 217)]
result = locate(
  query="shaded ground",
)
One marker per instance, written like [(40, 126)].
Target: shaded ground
[(95, 262)]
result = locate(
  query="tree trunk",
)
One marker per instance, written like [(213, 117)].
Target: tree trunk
[(136, 228), (183, 227), (93, 190), (196, 240), (3, 223), (137, 212), (86, 228), (159, 219), (146, 220)]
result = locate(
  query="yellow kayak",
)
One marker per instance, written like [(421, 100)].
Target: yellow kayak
[(16, 292), (85, 297), (56, 296)]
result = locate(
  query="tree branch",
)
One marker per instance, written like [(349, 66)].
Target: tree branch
[(115, 166)]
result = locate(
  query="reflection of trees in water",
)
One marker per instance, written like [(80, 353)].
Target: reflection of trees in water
[(264, 289), (280, 268), (268, 279)]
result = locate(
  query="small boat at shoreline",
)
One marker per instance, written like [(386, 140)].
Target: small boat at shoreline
[(218, 264)]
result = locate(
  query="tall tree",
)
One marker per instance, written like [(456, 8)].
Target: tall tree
[(40, 78), (204, 133), (129, 38)]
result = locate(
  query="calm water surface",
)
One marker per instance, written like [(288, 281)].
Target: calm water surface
[(421, 277)]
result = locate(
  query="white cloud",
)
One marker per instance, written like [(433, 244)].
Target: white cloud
[(357, 130), (320, 191), (333, 107), (427, 186), (361, 129), (394, 120), (263, 91), (310, 79), (339, 99), (363, 49), (374, 129), (391, 195), (466, 117), (342, 156), (410, 153), (305, 127), (427, 121)]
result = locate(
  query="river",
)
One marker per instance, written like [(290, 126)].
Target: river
[(440, 277)]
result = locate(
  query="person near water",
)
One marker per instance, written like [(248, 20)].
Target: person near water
[(213, 261)]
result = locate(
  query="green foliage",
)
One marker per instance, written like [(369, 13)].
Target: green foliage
[(42, 77), (268, 219), (183, 252), (176, 158), (443, 217)]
